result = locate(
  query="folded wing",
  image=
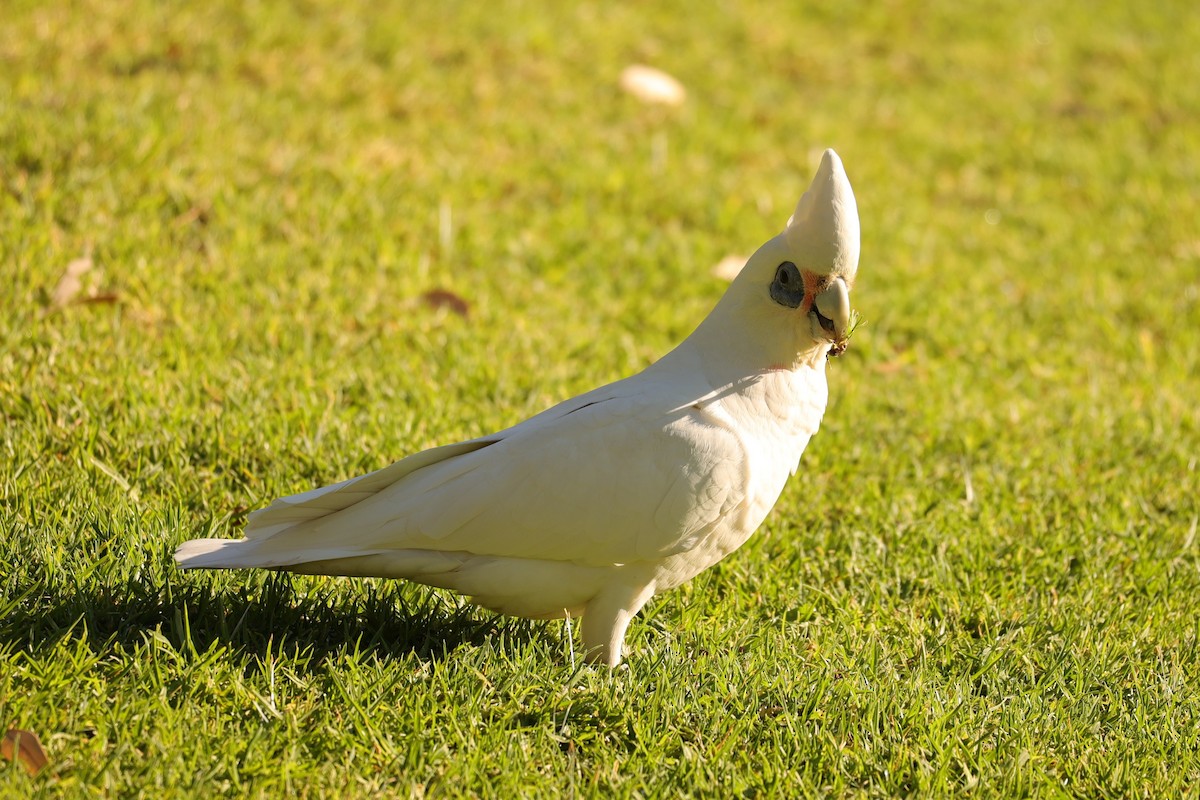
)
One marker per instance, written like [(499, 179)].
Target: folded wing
[(609, 480)]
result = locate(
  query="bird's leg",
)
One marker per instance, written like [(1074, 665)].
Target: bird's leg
[(606, 618)]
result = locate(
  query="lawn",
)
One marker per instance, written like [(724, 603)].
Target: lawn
[(309, 238)]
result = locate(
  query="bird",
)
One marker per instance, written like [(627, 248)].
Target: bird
[(593, 506)]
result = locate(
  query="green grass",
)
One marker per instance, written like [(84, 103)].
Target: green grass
[(983, 582)]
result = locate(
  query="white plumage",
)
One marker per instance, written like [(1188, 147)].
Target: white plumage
[(597, 504)]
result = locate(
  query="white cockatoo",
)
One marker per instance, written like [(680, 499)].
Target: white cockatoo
[(594, 506)]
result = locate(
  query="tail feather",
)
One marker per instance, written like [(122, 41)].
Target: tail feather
[(263, 548), (209, 554), (247, 554)]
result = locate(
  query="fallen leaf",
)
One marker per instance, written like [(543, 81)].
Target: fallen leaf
[(652, 85), (25, 747), (102, 298), (889, 367), (444, 298), (729, 267), (71, 282), (197, 215)]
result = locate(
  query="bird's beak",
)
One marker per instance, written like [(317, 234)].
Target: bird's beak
[(832, 305)]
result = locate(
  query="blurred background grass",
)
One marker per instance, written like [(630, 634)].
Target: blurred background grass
[(266, 191)]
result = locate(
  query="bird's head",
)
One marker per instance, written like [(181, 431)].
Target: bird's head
[(823, 240), (800, 280)]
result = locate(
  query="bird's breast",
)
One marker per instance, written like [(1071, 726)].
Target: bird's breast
[(771, 420)]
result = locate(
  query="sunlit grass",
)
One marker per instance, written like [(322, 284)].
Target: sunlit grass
[(982, 580)]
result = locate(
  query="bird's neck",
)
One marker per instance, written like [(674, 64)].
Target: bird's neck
[(775, 400), (738, 341)]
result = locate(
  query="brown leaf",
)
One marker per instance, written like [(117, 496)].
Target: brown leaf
[(102, 298), (197, 215), (25, 747), (890, 367), (444, 298), (70, 283)]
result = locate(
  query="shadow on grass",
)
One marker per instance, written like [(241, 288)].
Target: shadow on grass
[(321, 619)]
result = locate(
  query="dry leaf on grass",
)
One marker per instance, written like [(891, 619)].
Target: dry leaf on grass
[(102, 298), (25, 747), (652, 85), (71, 282), (444, 298), (70, 288), (891, 367), (729, 267)]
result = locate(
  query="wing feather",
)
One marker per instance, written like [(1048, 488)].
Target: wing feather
[(608, 478), (287, 512)]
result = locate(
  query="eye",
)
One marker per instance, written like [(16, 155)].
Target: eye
[(788, 287)]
